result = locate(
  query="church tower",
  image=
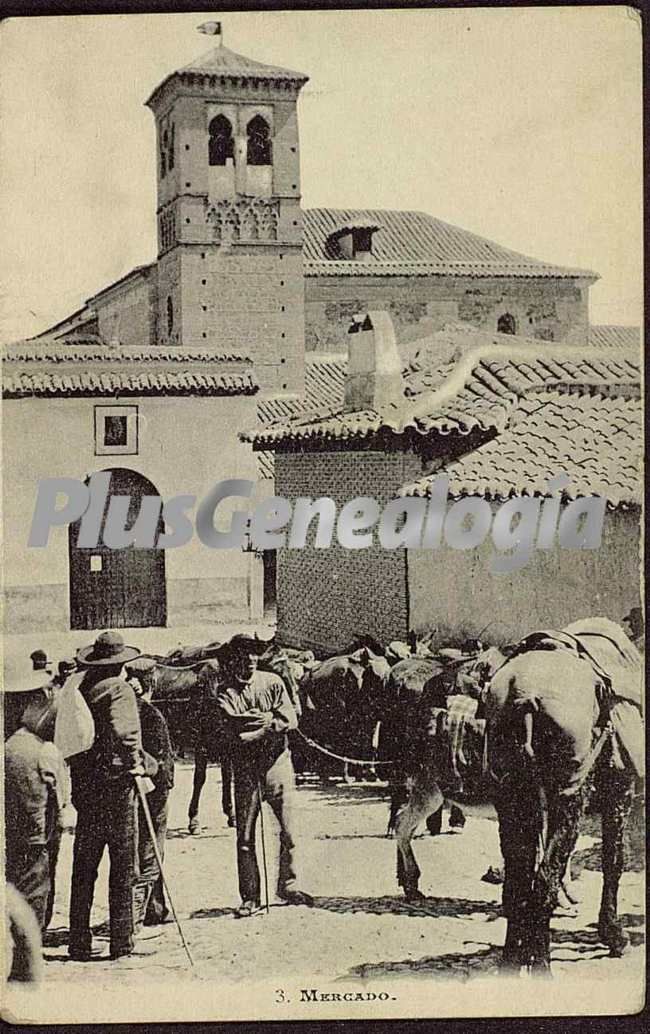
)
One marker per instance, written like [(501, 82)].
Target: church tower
[(230, 276)]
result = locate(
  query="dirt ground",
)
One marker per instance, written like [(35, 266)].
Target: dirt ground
[(361, 931)]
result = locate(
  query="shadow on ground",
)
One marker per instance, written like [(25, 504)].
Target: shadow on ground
[(433, 907), (453, 965), (583, 944)]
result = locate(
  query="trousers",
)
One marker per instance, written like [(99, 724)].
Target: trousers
[(104, 819), (147, 866), (53, 858), (277, 786), (28, 868)]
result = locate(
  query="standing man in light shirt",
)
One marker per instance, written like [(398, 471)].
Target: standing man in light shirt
[(257, 714)]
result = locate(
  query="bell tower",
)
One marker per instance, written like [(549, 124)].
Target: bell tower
[(229, 219)]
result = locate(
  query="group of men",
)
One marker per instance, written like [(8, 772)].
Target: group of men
[(128, 770)]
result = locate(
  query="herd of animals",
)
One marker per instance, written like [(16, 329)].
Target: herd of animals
[(540, 727)]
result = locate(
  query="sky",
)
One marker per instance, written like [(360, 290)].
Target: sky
[(522, 125)]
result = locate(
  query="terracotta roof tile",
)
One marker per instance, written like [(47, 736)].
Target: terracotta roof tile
[(544, 408), (55, 385), (611, 336), (94, 350), (599, 448), (414, 244)]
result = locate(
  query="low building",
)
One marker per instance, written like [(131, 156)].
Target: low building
[(161, 421), (500, 416)]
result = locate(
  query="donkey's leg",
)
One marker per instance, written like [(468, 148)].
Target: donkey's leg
[(198, 782), (227, 777), (564, 814), (424, 798), (518, 832), (616, 804), (398, 798)]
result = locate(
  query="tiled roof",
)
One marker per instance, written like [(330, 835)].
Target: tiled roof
[(479, 391), (324, 387), (86, 366), (414, 244), (610, 336), (65, 385), (596, 440), (225, 62), (91, 349)]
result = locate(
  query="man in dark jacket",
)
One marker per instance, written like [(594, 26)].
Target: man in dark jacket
[(257, 713), (149, 903), (103, 792)]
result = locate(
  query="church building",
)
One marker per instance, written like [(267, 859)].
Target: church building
[(242, 319)]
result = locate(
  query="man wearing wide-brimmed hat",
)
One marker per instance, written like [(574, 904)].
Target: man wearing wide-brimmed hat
[(35, 788), (103, 792), (22, 684)]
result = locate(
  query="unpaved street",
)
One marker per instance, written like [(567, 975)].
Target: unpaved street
[(361, 929)]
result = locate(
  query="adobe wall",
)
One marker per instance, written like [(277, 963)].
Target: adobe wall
[(455, 589), (185, 446)]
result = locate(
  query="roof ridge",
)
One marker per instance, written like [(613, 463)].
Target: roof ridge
[(58, 351), (476, 356)]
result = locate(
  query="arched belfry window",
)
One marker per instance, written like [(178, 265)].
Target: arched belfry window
[(258, 149), (170, 315), (163, 155), (172, 148), (220, 143), (506, 324)]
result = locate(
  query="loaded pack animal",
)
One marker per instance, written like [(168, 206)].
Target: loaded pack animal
[(564, 720), (538, 728), (342, 699)]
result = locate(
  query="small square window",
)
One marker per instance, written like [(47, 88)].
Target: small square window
[(116, 430)]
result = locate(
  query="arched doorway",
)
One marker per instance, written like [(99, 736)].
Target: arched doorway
[(118, 588)]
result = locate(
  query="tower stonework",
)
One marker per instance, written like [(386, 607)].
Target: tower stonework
[(230, 266)]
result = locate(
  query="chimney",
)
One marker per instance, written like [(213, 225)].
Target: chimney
[(374, 373)]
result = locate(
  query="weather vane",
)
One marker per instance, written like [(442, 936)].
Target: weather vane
[(211, 29)]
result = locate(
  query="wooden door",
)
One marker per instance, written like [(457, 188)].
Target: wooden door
[(118, 588)]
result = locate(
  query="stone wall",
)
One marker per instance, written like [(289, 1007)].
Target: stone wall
[(549, 309), (127, 314)]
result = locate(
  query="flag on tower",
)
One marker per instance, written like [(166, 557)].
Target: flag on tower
[(210, 28)]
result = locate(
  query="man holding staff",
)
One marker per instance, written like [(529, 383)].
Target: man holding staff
[(257, 714)]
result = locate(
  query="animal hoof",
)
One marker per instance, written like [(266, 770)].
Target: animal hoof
[(194, 827), (231, 821), (615, 937), (413, 894), (493, 875)]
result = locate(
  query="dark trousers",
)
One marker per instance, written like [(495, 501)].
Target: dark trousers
[(147, 866), (157, 910), (28, 868), (104, 819), (53, 857), (278, 787)]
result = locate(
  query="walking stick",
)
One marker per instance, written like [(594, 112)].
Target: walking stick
[(266, 876), (152, 833)]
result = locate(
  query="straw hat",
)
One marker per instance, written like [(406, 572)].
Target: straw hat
[(20, 676)]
